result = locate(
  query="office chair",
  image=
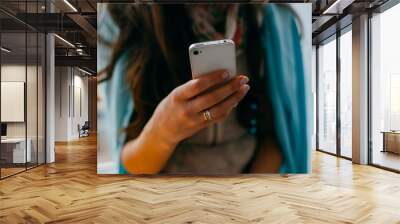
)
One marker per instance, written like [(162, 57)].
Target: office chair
[(84, 130)]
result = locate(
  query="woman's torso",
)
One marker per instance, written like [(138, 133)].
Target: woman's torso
[(222, 148)]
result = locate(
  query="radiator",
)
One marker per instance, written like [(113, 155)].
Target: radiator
[(391, 142)]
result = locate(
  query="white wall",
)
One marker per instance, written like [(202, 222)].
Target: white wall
[(61, 104), (71, 102), (81, 85), (12, 73)]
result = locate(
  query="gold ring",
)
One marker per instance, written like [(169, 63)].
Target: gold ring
[(207, 115)]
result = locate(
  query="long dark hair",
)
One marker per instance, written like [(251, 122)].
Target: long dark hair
[(157, 38)]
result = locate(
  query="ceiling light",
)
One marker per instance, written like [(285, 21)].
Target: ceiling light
[(5, 50), (70, 5), (65, 41), (338, 6), (331, 7), (84, 71), (79, 51)]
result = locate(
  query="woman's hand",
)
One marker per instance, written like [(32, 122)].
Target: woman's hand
[(180, 115)]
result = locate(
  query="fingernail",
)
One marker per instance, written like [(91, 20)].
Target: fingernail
[(246, 88), (244, 80), (225, 75)]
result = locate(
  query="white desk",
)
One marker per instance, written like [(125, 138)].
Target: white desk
[(18, 154)]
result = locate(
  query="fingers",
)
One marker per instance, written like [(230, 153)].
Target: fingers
[(217, 95), (196, 86), (222, 110)]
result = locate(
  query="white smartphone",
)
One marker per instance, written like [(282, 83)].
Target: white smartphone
[(209, 56)]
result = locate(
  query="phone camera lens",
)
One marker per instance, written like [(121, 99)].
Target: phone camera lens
[(196, 52)]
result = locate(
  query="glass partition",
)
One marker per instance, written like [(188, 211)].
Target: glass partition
[(22, 90), (14, 153)]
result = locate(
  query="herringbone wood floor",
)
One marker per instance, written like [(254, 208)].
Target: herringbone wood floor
[(69, 191)]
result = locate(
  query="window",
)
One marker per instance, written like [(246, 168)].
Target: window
[(385, 88), (327, 97), (346, 94), (314, 95)]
